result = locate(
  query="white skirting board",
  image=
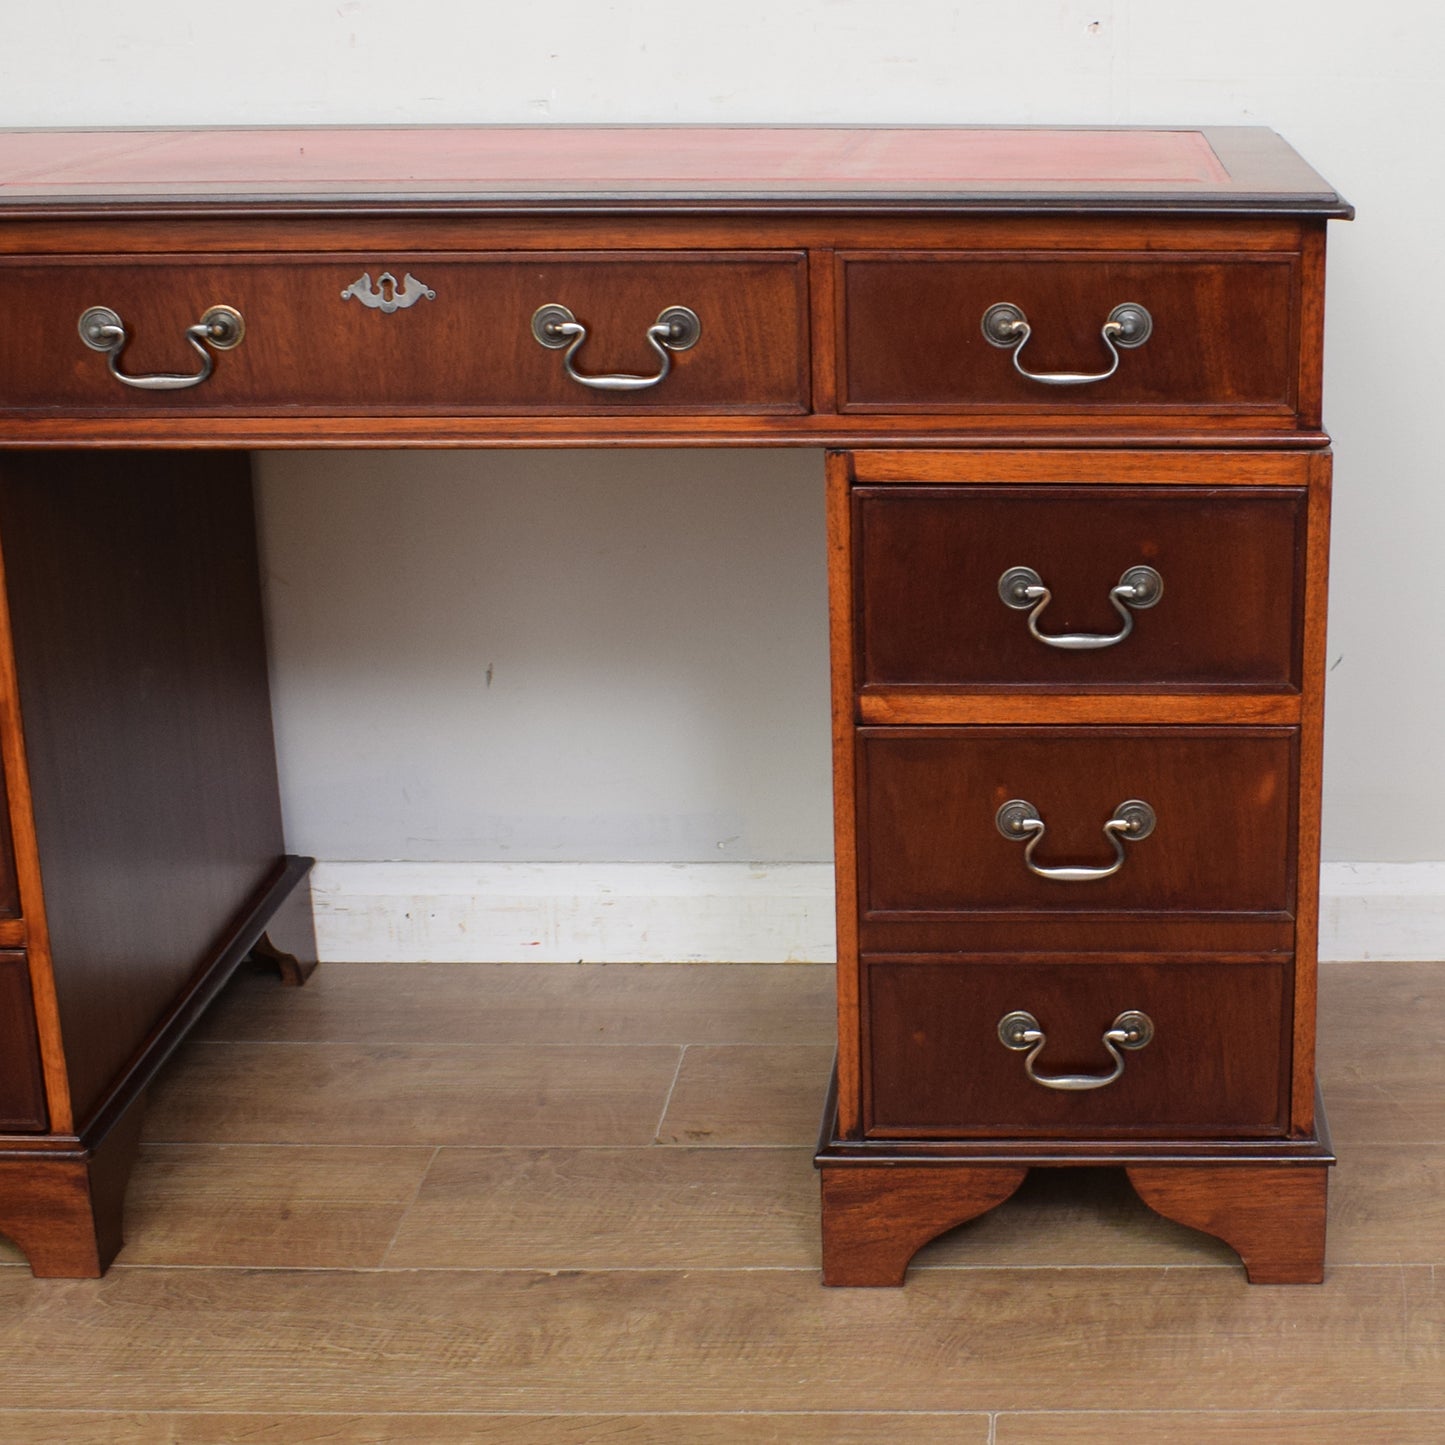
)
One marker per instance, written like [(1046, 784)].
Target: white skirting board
[(726, 912)]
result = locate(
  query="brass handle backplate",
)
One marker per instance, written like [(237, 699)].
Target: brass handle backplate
[(1018, 819), (1139, 587), (1128, 325), (676, 329), (219, 329), (1020, 1030)]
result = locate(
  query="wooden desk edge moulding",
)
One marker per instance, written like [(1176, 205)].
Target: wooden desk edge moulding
[(1069, 386)]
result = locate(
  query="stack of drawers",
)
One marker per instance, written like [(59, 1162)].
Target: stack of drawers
[(1077, 733)]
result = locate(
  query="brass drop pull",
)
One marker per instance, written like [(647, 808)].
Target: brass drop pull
[(1138, 588), (676, 329), (1133, 820), (1020, 1030), (1128, 325), (221, 328)]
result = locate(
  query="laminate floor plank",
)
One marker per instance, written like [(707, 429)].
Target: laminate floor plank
[(1334, 1427), (748, 1094), (261, 1093), (614, 1209), (517, 1003), (1382, 1052), (1387, 1206), (752, 1340), (153, 1428), (276, 1206)]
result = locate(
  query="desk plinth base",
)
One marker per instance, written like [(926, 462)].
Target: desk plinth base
[(62, 1198), (883, 1201)]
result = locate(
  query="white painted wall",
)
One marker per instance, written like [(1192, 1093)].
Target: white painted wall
[(654, 622)]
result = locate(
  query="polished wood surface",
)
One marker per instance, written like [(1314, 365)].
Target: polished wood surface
[(929, 559), (133, 579), (1273, 1219), (468, 350), (929, 845), (913, 337), (1217, 1065), (875, 1220)]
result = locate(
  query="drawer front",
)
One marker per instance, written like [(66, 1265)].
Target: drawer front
[(1224, 334), (930, 847), (22, 1090), (467, 348), (1216, 1064), (930, 563)]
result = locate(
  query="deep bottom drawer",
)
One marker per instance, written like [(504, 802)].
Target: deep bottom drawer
[(1217, 1064)]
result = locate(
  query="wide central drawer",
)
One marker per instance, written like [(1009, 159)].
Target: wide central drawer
[(934, 843), (445, 333), (1216, 1061), (1224, 335), (934, 607)]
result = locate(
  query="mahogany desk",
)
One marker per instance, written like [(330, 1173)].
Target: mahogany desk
[(1078, 501)]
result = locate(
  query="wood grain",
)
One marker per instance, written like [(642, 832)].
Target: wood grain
[(928, 560), (914, 706), (663, 1428), (1224, 1427), (1274, 1216), (269, 1206), (875, 1220), (1311, 791), (841, 625), (750, 1340), (1217, 1066), (395, 1094), (1382, 1053), (1103, 467), (140, 654), (468, 350), (613, 1209), (1387, 1204), (757, 1094), (941, 360), (1224, 844), (520, 1003)]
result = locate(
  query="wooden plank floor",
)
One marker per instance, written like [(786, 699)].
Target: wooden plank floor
[(548, 1203)]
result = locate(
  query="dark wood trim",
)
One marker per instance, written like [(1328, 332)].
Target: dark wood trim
[(211, 976), (848, 1083)]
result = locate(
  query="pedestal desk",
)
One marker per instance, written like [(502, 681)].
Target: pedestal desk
[(1078, 491)]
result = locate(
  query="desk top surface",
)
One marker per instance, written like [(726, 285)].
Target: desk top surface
[(1249, 169)]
